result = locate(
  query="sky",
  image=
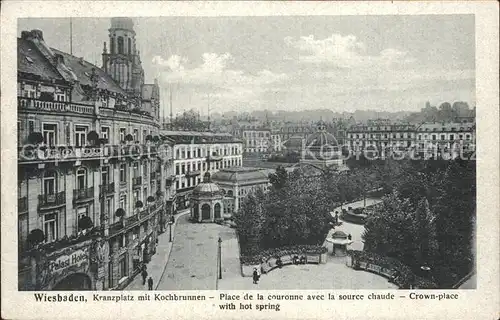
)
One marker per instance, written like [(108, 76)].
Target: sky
[(341, 63)]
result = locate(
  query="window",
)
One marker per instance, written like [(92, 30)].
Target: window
[(145, 194), (452, 137), (467, 137), (177, 169), (109, 206), (460, 136), (434, 137), (50, 227), (49, 183), (80, 136), (81, 179), (112, 45), (105, 132), (123, 202), (123, 173), (136, 170), (49, 134), (442, 137), (104, 175), (177, 185), (136, 135), (145, 169), (31, 126), (120, 45), (81, 212), (123, 131), (144, 135), (129, 51), (183, 169)]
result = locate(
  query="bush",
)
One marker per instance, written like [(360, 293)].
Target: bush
[(259, 257), (406, 276)]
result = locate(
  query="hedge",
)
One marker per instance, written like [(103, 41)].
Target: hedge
[(282, 251)]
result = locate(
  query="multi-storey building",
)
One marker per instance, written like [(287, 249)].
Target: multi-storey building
[(380, 134), (196, 153), (92, 180), (238, 182), (437, 139)]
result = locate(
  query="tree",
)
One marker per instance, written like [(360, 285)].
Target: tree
[(278, 179), (189, 120)]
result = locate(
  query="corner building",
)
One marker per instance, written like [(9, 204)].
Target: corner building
[(92, 179)]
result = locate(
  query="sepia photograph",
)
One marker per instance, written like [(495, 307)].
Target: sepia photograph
[(246, 153)]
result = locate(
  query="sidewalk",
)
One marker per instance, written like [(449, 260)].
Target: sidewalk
[(159, 260)]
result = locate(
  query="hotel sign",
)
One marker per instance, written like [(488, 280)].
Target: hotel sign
[(76, 258)]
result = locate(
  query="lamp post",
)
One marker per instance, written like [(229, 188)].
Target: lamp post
[(220, 259), (170, 231)]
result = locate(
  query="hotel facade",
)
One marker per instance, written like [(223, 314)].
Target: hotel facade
[(93, 188), (196, 153)]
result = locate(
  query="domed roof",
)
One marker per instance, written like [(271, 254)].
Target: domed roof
[(321, 138), (207, 187)]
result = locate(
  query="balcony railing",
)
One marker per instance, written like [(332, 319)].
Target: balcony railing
[(131, 220), (153, 175), (58, 106), (136, 181), (51, 200), (115, 227), (215, 157), (193, 173), (22, 204), (143, 214), (83, 194), (107, 188)]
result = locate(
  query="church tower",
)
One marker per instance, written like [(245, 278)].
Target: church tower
[(123, 62)]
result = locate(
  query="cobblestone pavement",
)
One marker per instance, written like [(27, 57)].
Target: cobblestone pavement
[(193, 261), (158, 261)]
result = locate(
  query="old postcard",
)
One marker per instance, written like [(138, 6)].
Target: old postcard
[(302, 160)]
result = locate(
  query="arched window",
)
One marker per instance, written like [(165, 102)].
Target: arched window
[(120, 44), (129, 46), (81, 179), (112, 45)]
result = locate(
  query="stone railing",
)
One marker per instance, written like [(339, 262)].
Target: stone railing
[(57, 106)]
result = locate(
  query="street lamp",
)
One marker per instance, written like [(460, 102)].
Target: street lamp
[(170, 229), (220, 260)]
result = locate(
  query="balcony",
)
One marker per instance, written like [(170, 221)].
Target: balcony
[(193, 173), (136, 181), (54, 106), (116, 227), (22, 205), (84, 194), (128, 221), (107, 189), (31, 154), (50, 201), (214, 157)]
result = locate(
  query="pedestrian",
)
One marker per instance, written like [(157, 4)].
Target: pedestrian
[(144, 275), (255, 276), (150, 283)]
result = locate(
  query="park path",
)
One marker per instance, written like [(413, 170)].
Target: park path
[(355, 230)]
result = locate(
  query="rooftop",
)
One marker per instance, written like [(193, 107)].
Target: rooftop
[(31, 60), (240, 174)]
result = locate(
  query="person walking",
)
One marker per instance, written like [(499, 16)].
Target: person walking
[(144, 275), (150, 283), (255, 276)]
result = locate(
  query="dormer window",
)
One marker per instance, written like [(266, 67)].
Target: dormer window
[(29, 59)]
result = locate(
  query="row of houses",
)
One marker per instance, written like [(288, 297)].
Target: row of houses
[(98, 178)]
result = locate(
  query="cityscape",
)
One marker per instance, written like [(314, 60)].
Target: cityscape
[(141, 170)]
